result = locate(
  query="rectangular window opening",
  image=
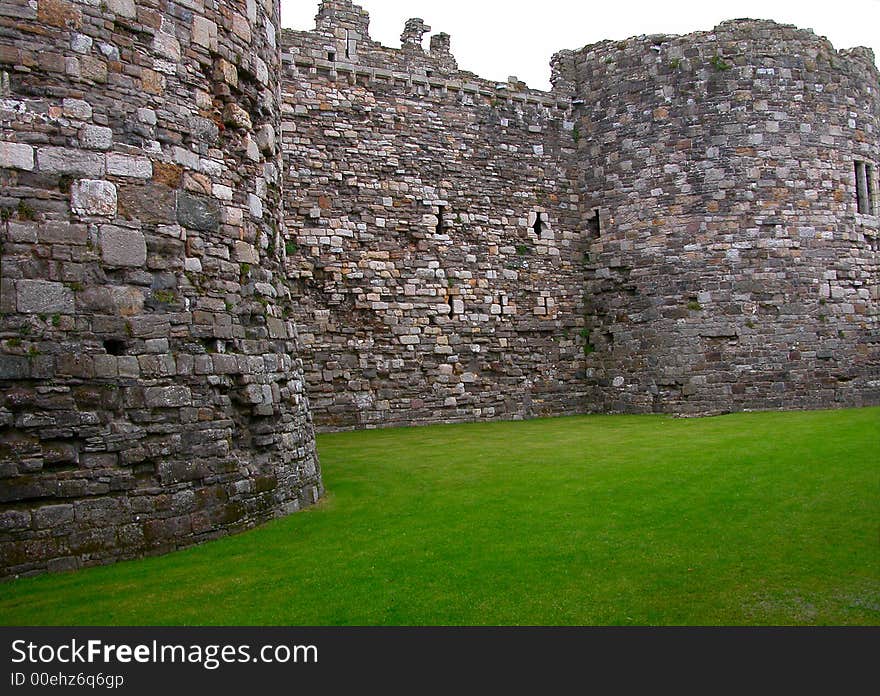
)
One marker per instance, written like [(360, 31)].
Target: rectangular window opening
[(871, 181), (441, 223), (864, 186), (539, 225), (594, 224)]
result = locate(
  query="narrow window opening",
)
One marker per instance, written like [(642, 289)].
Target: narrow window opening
[(870, 180), (863, 202), (594, 224), (114, 346), (331, 56), (441, 223), (538, 226)]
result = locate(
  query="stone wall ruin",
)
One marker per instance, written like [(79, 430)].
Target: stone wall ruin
[(684, 224), (676, 227)]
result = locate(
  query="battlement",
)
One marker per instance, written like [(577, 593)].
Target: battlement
[(335, 47)]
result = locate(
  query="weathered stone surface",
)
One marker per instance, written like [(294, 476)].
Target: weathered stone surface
[(204, 32), (149, 204), (43, 297), (59, 13), (113, 292), (65, 160), (166, 46), (96, 137), (123, 8), (14, 367), (16, 156), (52, 516), (122, 247), (167, 397), (77, 109), (557, 259), (266, 138), (198, 212), (93, 197), (636, 240), (245, 253), (236, 117), (125, 165)]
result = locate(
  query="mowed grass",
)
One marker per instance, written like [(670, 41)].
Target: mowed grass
[(763, 518)]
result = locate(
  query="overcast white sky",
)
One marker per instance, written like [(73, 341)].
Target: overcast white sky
[(499, 38)]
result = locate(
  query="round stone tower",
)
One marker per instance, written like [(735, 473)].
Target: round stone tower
[(150, 391), (734, 258)]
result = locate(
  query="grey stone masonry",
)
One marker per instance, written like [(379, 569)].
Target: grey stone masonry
[(151, 388), (427, 289), (733, 269), (673, 228), (217, 236)]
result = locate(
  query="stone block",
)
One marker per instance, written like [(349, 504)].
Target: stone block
[(96, 137), (128, 366), (204, 32), (122, 8), (14, 367), (122, 247), (198, 213), (76, 109), (167, 46), (167, 397), (105, 366), (225, 364), (16, 156), (80, 43), (64, 160), (246, 253), (52, 516), (76, 365), (204, 129), (59, 13), (14, 519), (255, 204), (92, 68), (236, 117), (276, 327), (253, 394), (225, 71), (43, 297), (266, 138), (128, 166), (152, 81), (150, 203), (93, 197)]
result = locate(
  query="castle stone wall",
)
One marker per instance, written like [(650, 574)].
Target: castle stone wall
[(151, 390), (703, 250), (433, 222), (685, 224), (733, 269)]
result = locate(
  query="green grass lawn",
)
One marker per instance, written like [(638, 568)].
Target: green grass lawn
[(765, 518)]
